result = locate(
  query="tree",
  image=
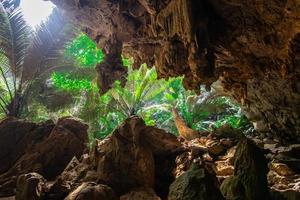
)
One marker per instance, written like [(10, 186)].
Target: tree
[(26, 55)]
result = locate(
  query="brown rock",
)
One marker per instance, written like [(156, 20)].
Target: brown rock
[(197, 146), (126, 158), (227, 142), (183, 163), (92, 191), (184, 131), (258, 142), (278, 182), (281, 169), (74, 174), (223, 168), (16, 136), (45, 149), (229, 156), (196, 183), (214, 147), (271, 147), (250, 174), (140, 194), (30, 187)]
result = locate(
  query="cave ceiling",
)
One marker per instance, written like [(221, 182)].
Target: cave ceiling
[(251, 47)]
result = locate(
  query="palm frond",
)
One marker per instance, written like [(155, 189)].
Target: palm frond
[(14, 38), (49, 39), (6, 74)]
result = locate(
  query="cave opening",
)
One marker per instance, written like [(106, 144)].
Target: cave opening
[(147, 99)]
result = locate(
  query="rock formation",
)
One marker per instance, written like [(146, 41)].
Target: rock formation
[(196, 183), (140, 162), (44, 148), (249, 180)]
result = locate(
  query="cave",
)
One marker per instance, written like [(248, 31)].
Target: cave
[(244, 51)]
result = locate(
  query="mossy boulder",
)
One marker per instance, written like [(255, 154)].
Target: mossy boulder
[(194, 184), (250, 174)]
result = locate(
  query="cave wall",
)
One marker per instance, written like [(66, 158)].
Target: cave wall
[(251, 46)]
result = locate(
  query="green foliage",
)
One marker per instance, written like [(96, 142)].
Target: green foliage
[(209, 111), (26, 55), (14, 41), (84, 51), (127, 62), (153, 99), (65, 82), (140, 96)]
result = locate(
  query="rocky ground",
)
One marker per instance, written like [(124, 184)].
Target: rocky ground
[(50, 161)]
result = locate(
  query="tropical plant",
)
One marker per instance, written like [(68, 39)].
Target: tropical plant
[(84, 51), (207, 111), (27, 55), (140, 94)]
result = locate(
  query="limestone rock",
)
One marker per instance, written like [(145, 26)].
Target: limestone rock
[(281, 169), (140, 194), (250, 174), (229, 156), (44, 148), (214, 147), (126, 158), (92, 191), (227, 142), (184, 131), (69, 179), (223, 168), (30, 187), (196, 183), (16, 136)]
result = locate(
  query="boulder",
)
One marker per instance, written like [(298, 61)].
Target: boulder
[(125, 159), (250, 174), (92, 191), (140, 194), (30, 186), (44, 148), (233, 189), (16, 136), (196, 183), (68, 180)]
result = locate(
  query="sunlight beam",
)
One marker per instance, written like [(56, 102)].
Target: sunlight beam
[(36, 11)]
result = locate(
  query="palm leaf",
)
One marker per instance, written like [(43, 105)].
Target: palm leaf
[(49, 40), (14, 42)]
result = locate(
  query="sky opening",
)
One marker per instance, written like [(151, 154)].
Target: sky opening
[(36, 11)]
